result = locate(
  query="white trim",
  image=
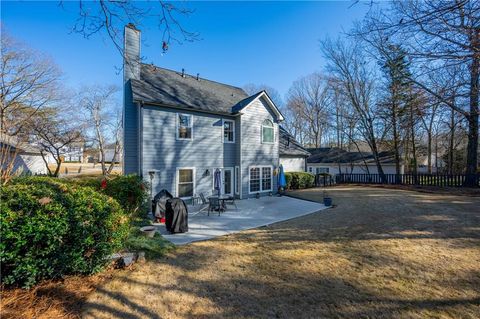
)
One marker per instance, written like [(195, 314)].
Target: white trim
[(177, 125), (232, 182), (261, 132), (223, 131), (237, 180), (270, 102), (177, 179), (261, 179)]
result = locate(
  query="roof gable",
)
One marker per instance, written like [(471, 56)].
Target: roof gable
[(242, 105)]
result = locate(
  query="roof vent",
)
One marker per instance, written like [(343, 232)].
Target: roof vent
[(183, 72), (198, 76)]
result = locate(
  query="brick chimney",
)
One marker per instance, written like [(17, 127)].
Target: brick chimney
[(131, 51)]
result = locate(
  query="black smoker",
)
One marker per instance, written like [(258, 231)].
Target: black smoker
[(176, 216), (159, 204)]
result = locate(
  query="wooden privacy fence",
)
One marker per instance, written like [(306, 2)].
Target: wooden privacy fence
[(443, 180)]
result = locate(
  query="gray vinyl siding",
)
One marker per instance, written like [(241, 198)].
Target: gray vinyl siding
[(130, 134), (253, 152), (163, 153), (131, 127)]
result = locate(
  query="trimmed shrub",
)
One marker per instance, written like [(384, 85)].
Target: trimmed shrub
[(51, 229), (299, 180), (129, 190)]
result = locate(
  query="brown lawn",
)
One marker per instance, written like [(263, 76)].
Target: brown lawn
[(379, 253)]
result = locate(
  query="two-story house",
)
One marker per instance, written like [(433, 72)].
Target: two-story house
[(185, 127)]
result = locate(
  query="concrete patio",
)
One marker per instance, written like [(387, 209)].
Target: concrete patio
[(251, 213)]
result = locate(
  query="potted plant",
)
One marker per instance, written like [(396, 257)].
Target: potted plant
[(327, 201), (148, 231)]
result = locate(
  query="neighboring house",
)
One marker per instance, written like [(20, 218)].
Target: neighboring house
[(293, 156), (28, 159), (334, 161), (73, 152), (183, 128)]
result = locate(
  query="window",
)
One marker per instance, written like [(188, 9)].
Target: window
[(320, 170), (310, 169), (266, 178), (228, 131), (184, 126), (260, 179), (186, 184), (254, 179), (267, 131)]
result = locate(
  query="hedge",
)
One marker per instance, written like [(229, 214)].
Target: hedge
[(299, 180), (51, 228), (129, 190)]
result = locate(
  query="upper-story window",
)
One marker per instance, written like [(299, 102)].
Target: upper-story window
[(184, 126), (228, 131), (267, 132)]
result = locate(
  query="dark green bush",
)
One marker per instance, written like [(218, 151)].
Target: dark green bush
[(299, 180), (51, 228), (129, 190)]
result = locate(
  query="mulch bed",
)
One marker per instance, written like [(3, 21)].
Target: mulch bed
[(51, 299)]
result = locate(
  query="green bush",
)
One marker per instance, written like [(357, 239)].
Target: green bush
[(129, 190), (299, 180), (51, 228)]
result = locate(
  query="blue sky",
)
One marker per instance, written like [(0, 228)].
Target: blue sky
[(271, 43)]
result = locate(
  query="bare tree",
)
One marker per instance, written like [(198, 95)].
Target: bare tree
[(309, 98), (439, 35), (348, 66), (104, 121), (28, 82), (53, 130), (109, 17)]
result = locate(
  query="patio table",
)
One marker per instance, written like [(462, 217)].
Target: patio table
[(222, 199)]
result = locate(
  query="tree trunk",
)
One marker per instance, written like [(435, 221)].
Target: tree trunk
[(472, 146), (429, 151), (451, 142)]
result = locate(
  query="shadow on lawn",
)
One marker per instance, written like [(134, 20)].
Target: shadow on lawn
[(268, 275)]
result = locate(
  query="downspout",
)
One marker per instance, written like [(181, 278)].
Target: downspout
[(140, 138)]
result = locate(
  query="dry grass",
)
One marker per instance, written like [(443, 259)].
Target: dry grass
[(380, 253)]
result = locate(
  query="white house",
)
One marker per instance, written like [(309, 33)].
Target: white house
[(334, 161), (292, 155), (27, 161)]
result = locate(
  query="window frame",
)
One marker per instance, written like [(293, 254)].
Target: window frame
[(177, 126), (177, 181), (223, 131), (270, 127), (260, 179)]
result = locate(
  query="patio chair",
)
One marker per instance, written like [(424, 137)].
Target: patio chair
[(204, 205), (231, 201), (215, 204)]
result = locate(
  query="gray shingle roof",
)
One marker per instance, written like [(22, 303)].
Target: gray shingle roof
[(167, 87), (337, 155), (288, 146)]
